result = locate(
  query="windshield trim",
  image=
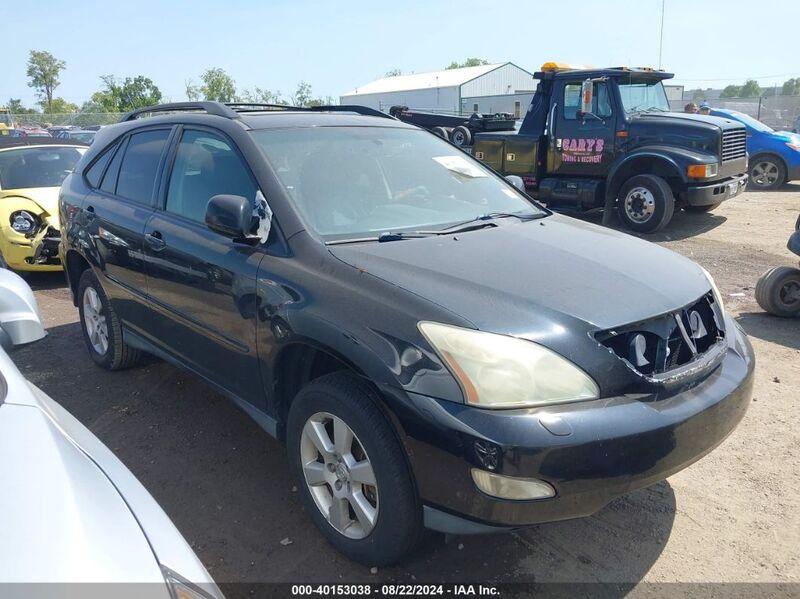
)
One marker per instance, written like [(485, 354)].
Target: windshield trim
[(623, 82)]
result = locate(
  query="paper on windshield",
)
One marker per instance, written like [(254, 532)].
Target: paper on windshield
[(460, 165)]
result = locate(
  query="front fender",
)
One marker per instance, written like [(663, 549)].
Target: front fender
[(16, 247)]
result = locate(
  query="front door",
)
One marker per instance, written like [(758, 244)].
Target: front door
[(581, 146), (202, 284)]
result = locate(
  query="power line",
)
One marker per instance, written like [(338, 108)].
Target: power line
[(741, 77)]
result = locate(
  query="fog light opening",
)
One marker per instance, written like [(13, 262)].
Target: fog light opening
[(508, 487)]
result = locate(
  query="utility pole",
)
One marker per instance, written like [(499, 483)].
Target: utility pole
[(661, 38)]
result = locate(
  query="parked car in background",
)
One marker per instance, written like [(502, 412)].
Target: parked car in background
[(31, 173), (81, 135), (774, 155), (34, 132), (434, 347), (70, 512)]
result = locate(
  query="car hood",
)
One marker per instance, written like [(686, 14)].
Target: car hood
[(686, 119), (518, 277), (44, 197)]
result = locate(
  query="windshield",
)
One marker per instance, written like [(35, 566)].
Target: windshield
[(749, 122), (37, 167), (643, 96), (360, 182)]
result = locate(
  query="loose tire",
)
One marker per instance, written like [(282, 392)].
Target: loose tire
[(101, 327), (706, 208), (440, 131), (767, 172), (778, 291), (646, 203), (351, 470), (461, 136)]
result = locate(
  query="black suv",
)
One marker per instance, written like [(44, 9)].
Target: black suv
[(433, 346)]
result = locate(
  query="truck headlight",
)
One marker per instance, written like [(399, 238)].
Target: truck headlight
[(702, 171), (498, 371), (23, 222)]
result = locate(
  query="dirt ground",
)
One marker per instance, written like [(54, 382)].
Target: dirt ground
[(732, 517)]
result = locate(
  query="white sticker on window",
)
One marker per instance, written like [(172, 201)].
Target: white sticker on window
[(263, 212), (460, 165)]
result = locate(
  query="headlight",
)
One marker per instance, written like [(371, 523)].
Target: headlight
[(23, 222), (497, 371), (702, 171), (183, 589), (794, 145), (714, 289)]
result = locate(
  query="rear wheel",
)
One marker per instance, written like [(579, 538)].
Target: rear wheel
[(351, 470), (778, 291), (440, 131), (767, 172), (646, 203), (706, 208), (102, 330), (461, 136)]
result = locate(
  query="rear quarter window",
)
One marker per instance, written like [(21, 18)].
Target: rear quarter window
[(137, 173)]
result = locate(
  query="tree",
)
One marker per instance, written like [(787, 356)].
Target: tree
[(127, 95), (43, 72), (469, 62), (791, 87), (302, 95), (731, 91), (260, 96), (15, 106), (750, 89), (60, 106), (393, 73), (217, 86)]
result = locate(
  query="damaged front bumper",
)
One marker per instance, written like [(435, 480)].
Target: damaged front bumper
[(36, 253)]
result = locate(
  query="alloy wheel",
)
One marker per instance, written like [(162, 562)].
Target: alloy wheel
[(765, 173), (95, 321), (339, 475), (640, 205), (790, 294)]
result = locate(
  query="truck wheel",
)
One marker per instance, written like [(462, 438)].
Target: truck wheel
[(706, 208), (351, 470), (767, 172), (461, 136), (440, 131), (778, 291), (646, 203)]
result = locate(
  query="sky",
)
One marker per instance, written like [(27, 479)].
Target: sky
[(337, 46)]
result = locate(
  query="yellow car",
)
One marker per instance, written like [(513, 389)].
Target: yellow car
[(31, 172)]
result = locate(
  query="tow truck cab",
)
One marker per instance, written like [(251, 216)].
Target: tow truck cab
[(605, 138)]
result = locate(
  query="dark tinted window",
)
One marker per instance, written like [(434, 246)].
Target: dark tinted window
[(137, 174), (109, 184), (205, 165), (95, 172)]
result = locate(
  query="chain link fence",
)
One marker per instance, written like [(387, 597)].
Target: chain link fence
[(76, 119), (782, 113)]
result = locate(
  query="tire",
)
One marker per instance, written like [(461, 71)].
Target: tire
[(645, 203), (767, 172), (114, 354), (397, 525), (706, 208), (440, 131), (461, 136), (778, 291)]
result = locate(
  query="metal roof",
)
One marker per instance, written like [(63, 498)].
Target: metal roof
[(434, 79)]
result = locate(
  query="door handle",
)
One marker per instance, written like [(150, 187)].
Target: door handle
[(155, 241)]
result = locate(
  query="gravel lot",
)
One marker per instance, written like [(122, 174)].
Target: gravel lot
[(733, 516)]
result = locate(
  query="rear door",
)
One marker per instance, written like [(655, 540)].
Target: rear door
[(581, 146), (123, 182), (203, 284)]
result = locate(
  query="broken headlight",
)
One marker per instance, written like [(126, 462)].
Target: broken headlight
[(24, 222)]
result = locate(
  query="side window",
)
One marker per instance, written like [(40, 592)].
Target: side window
[(601, 100), (95, 172), (109, 184), (137, 174), (205, 165)]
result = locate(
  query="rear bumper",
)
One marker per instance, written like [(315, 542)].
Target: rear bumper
[(612, 446), (716, 192)]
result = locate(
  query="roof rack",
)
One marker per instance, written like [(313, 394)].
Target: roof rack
[(232, 110)]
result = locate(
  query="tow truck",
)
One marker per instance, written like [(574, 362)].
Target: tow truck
[(606, 139)]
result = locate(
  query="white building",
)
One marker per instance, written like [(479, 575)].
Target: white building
[(451, 90)]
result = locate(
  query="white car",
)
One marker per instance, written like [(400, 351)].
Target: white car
[(70, 511)]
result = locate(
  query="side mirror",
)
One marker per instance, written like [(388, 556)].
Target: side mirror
[(587, 96), (516, 181), (20, 322), (229, 215)]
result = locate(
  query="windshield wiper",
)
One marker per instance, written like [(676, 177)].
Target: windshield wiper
[(482, 221)]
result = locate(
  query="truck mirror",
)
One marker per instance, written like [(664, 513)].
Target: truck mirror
[(516, 181), (587, 91)]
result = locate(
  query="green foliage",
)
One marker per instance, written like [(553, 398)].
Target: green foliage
[(393, 73), (14, 106), (43, 72), (217, 86), (469, 62), (751, 89), (731, 91), (791, 87), (260, 96), (126, 95), (60, 106)]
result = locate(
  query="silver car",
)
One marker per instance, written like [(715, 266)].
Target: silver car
[(70, 511)]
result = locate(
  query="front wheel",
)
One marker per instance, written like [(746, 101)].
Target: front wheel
[(778, 291), (767, 172), (646, 203), (352, 471)]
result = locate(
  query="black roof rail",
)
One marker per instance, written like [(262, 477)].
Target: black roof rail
[(215, 108), (365, 110), (258, 106)]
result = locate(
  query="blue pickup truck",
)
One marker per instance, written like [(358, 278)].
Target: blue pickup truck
[(774, 155)]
